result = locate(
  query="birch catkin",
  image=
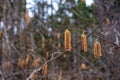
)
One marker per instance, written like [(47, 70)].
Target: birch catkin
[(27, 18), (84, 42), (97, 49), (67, 40)]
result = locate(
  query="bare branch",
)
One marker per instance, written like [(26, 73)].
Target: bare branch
[(39, 69)]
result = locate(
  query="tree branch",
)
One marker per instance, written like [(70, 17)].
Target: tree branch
[(40, 68)]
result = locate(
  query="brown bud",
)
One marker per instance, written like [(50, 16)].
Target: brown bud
[(83, 66)]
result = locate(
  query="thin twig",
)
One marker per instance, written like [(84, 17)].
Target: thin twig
[(39, 69), (107, 41), (92, 33)]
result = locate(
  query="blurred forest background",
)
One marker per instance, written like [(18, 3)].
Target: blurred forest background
[(32, 40)]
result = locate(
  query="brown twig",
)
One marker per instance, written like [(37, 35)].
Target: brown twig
[(40, 68), (107, 41), (92, 33), (61, 53)]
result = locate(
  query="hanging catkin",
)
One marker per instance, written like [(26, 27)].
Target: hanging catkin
[(97, 49), (27, 18), (84, 42), (67, 40)]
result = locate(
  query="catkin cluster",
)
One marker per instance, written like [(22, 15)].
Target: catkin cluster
[(67, 43)]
